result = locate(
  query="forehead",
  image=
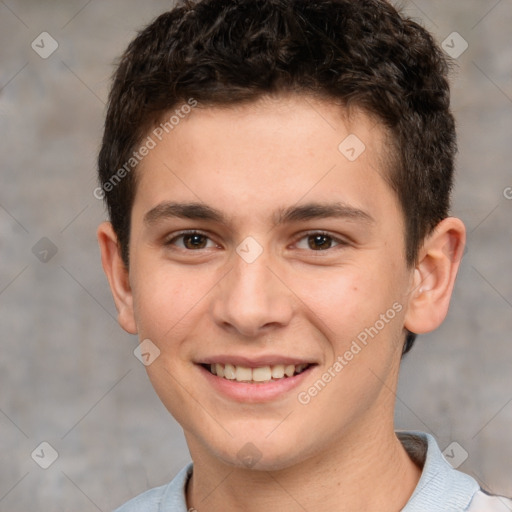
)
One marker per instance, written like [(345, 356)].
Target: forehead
[(277, 150)]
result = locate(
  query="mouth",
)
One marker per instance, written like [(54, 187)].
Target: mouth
[(257, 375)]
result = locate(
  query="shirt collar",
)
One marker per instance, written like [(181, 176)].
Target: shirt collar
[(440, 487)]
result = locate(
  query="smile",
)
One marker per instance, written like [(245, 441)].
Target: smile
[(255, 375)]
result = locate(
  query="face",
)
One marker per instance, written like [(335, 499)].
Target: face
[(261, 246)]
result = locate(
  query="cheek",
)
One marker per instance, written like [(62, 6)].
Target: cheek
[(166, 299), (357, 309), (345, 299)]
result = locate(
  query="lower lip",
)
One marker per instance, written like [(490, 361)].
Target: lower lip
[(258, 392)]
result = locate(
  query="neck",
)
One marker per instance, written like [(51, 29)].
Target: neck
[(376, 474)]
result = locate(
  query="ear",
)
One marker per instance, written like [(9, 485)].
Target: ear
[(434, 276), (118, 276)]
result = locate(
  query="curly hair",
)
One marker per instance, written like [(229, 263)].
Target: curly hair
[(362, 54)]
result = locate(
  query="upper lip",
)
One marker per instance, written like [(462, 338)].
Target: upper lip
[(255, 362)]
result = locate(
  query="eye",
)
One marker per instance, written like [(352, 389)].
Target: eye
[(320, 241), (191, 240)]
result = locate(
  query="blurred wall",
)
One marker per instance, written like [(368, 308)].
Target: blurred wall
[(68, 376)]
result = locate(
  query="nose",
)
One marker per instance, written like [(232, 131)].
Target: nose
[(252, 299)]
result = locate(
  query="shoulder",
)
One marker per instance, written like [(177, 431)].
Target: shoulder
[(483, 502), (171, 496), (441, 486), (148, 501)]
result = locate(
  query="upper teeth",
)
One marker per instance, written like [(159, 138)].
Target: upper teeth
[(261, 374)]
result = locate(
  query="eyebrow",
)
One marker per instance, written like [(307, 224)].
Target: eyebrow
[(309, 211)]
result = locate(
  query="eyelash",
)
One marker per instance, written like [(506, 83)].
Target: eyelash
[(340, 242)]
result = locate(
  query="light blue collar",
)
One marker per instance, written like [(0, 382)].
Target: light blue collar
[(441, 488)]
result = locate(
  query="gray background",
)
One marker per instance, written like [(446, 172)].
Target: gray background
[(67, 372)]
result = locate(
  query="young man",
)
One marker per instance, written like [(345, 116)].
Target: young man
[(278, 174)]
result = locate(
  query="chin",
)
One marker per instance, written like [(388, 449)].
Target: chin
[(262, 454)]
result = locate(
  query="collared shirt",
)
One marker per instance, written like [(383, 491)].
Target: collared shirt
[(441, 488)]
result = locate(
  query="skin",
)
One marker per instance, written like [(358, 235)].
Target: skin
[(339, 452)]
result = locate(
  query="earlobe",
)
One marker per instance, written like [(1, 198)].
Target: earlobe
[(118, 276), (434, 276)]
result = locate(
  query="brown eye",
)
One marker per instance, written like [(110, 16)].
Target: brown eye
[(319, 241), (191, 241), (194, 241)]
